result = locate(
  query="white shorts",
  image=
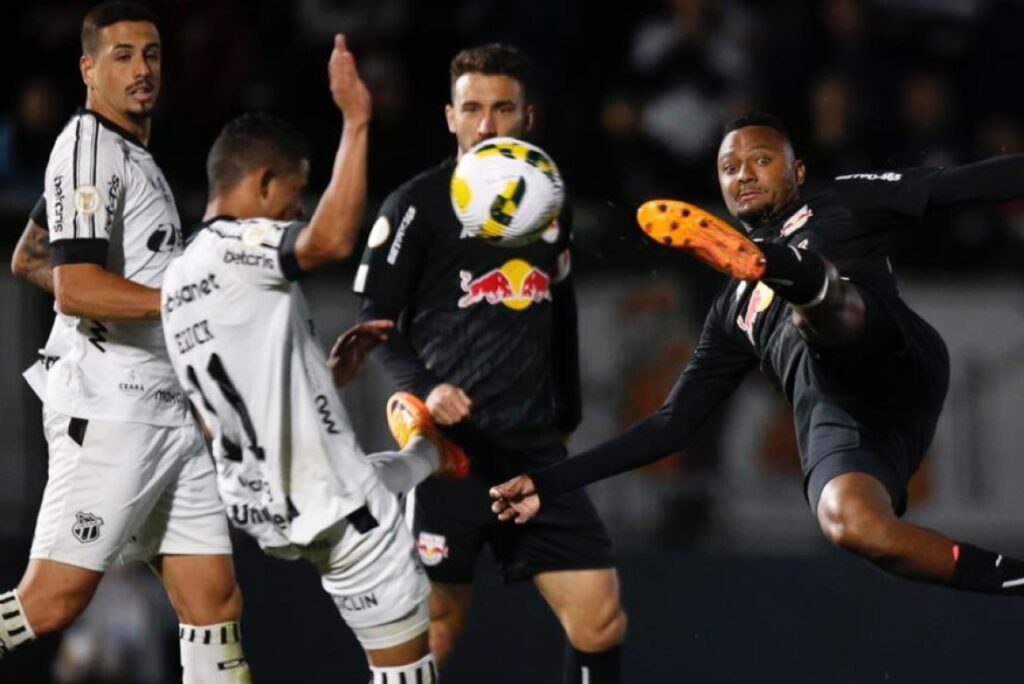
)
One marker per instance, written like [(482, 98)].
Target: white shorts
[(374, 576), (126, 491)]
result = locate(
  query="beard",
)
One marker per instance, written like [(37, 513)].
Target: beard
[(757, 217)]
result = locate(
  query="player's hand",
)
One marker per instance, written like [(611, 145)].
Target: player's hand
[(448, 404), (349, 353), (516, 499), (348, 90)]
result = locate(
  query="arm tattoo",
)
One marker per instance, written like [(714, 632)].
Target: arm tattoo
[(33, 257)]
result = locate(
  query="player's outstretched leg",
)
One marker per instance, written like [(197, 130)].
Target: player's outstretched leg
[(855, 513)]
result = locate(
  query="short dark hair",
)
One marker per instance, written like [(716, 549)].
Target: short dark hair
[(757, 119), (495, 59), (251, 141), (107, 14)]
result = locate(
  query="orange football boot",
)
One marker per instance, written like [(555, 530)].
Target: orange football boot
[(712, 240), (408, 417)]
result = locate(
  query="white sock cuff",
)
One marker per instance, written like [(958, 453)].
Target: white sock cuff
[(14, 627), (221, 634), (422, 671)]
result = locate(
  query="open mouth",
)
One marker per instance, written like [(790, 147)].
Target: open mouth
[(142, 92)]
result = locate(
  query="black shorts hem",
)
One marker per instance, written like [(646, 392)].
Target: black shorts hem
[(512, 576), (854, 461)]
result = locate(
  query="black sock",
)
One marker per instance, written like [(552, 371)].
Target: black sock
[(604, 667), (984, 571), (796, 275)]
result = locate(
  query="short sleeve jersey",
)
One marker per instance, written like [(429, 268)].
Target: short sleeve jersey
[(107, 203)]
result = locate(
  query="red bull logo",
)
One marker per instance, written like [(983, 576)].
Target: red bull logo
[(517, 284), (433, 548), (760, 299)]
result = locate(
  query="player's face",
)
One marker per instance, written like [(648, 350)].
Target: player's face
[(281, 198), (758, 173), (485, 106), (123, 76)]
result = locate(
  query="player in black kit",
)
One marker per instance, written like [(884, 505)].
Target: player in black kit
[(814, 303), (488, 339)]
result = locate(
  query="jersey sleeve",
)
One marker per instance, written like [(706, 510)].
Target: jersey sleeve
[(85, 191), (38, 213), (395, 253), (884, 197)]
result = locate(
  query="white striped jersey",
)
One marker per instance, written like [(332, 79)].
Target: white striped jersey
[(107, 203), (240, 336)]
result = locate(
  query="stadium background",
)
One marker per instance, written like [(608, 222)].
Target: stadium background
[(724, 574)]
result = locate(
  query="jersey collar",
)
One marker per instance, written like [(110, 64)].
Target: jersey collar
[(107, 123)]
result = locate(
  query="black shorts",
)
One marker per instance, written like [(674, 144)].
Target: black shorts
[(453, 520), (874, 414)]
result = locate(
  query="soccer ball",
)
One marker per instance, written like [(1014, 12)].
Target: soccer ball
[(506, 191)]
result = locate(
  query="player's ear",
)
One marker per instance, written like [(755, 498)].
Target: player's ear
[(449, 115), (266, 175), (800, 171), (529, 116), (85, 66)]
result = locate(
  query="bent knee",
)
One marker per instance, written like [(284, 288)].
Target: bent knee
[(854, 527), (603, 630)]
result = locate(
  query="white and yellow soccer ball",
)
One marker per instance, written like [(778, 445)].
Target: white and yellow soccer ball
[(506, 191)]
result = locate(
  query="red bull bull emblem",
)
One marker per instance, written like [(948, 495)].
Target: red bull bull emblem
[(433, 548), (760, 299), (517, 285)]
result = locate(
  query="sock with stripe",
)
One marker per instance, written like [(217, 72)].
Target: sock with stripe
[(423, 671), (985, 571), (212, 654), (797, 275), (14, 628), (400, 471), (603, 667)]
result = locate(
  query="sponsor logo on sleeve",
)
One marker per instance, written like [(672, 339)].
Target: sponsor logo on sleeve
[(403, 225), (889, 176), (58, 204)]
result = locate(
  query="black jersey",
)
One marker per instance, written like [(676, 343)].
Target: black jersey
[(848, 223), (499, 322)]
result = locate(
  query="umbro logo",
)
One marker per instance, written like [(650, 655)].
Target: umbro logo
[(87, 527)]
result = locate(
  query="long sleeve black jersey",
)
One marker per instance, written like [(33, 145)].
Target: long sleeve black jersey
[(847, 222), (499, 322)]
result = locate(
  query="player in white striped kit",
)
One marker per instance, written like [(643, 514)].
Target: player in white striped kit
[(240, 337), (128, 475)]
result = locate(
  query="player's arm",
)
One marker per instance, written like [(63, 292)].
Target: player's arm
[(713, 373), (332, 232), (88, 290), (31, 258), (992, 180)]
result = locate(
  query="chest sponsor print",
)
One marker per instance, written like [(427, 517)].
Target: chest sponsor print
[(516, 284)]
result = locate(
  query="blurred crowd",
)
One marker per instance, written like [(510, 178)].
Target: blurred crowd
[(631, 96)]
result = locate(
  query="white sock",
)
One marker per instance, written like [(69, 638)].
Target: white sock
[(400, 471), (423, 671), (14, 628), (212, 654)]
